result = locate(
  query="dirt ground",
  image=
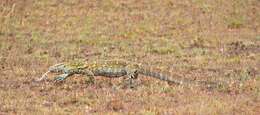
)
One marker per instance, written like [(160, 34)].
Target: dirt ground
[(208, 40)]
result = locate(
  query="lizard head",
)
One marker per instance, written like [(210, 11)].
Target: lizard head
[(63, 68), (66, 67), (58, 68)]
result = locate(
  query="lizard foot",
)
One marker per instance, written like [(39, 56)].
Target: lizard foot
[(59, 79), (129, 84)]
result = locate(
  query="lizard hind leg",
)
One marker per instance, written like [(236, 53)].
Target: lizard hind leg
[(131, 77)]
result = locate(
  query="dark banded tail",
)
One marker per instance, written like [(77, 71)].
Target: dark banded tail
[(179, 81), (160, 76)]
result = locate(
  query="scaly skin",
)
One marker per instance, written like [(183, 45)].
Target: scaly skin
[(113, 68)]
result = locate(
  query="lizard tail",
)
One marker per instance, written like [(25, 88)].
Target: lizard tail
[(179, 80), (160, 76)]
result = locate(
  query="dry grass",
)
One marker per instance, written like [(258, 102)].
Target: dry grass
[(198, 39)]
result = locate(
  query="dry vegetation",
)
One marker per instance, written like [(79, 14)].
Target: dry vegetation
[(197, 39)]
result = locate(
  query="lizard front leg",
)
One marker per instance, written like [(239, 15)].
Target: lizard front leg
[(62, 77), (89, 76), (66, 73)]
